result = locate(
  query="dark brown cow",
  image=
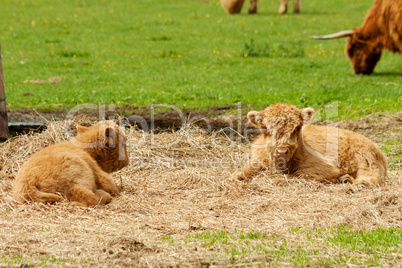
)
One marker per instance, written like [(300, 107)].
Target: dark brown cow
[(381, 29)]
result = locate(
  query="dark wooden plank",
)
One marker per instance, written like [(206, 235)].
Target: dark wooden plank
[(3, 107)]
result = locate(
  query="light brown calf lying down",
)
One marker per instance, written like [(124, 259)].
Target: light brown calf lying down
[(319, 153), (76, 170)]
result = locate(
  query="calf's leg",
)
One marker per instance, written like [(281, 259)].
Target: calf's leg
[(369, 178), (252, 167), (105, 182), (324, 174), (86, 198)]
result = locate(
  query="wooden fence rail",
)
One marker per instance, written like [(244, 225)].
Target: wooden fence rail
[(3, 107)]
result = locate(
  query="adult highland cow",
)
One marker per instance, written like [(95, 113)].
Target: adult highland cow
[(318, 153), (381, 29), (234, 6)]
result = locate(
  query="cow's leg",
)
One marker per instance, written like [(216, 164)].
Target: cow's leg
[(284, 7), (253, 7), (297, 6), (252, 167)]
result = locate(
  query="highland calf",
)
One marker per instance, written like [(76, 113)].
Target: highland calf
[(381, 29), (76, 170), (331, 155), (235, 6)]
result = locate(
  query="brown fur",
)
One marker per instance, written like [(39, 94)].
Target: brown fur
[(319, 153), (232, 6), (381, 29), (235, 6), (76, 170)]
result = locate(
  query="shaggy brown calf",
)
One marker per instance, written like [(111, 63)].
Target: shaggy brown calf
[(381, 29), (234, 6), (76, 169), (319, 153)]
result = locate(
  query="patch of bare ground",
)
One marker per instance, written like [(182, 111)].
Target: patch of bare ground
[(176, 186)]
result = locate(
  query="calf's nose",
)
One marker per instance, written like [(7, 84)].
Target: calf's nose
[(282, 151)]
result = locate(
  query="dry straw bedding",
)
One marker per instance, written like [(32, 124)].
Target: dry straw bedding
[(178, 184)]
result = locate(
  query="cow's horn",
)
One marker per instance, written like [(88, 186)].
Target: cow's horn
[(335, 35)]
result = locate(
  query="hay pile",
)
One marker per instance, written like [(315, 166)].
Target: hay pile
[(178, 184)]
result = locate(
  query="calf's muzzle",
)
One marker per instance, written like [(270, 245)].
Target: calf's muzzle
[(281, 155), (281, 152)]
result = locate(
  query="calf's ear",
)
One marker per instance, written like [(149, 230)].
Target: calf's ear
[(110, 134), (255, 119), (307, 114), (81, 129)]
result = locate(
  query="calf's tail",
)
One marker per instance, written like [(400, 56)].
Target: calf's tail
[(382, 164), (32, 193)]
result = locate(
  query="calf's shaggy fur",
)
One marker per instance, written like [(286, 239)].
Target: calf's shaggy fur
[(321, 153), (235, 6), (76, 170)]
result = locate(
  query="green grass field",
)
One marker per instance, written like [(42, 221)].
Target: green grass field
[(188, 53), (335, 246), (192, 54)]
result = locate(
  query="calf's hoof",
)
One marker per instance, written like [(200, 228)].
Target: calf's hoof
[(238, 176), (354, 188), (351, 189)]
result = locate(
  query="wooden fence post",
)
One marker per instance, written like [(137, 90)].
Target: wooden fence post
[(3, 107)]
